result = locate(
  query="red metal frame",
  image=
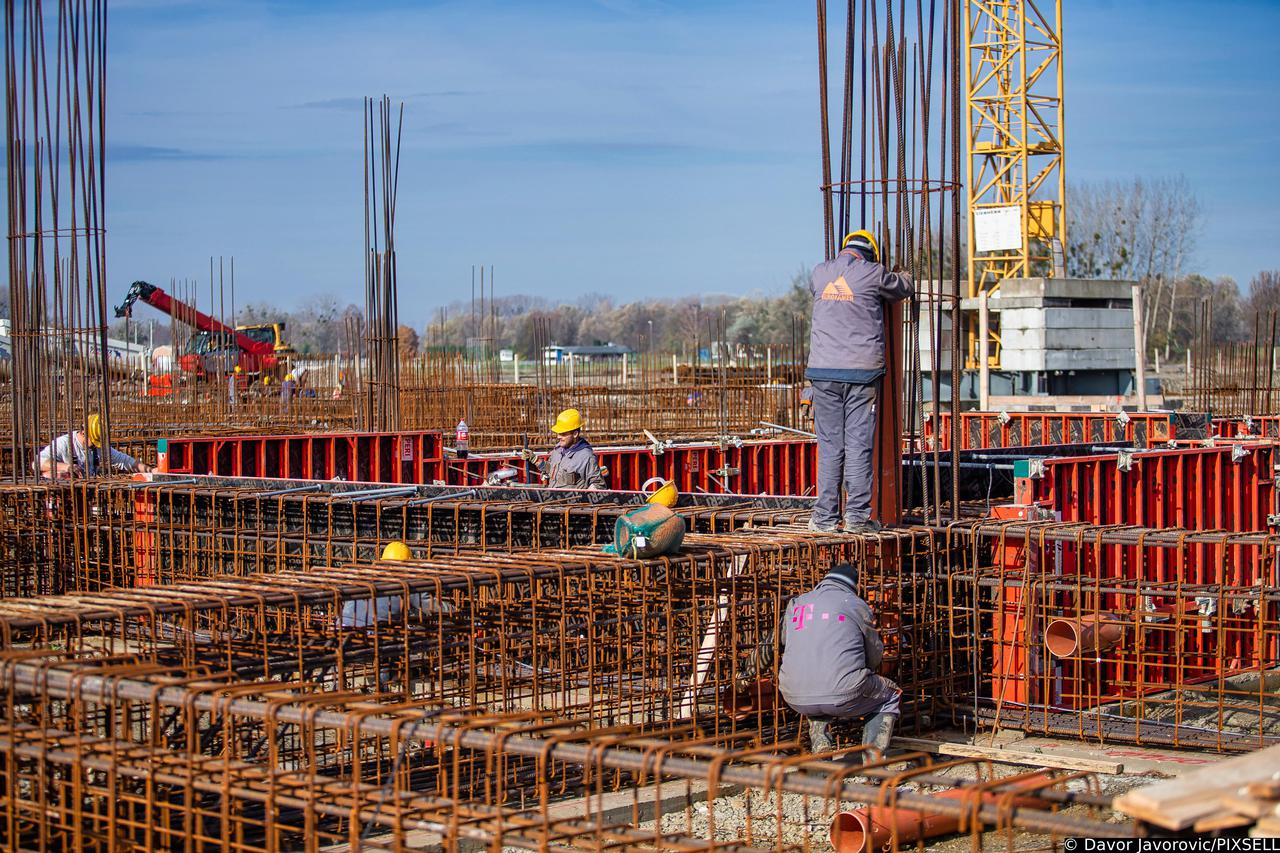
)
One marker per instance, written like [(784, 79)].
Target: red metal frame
[(390, 457), (1229, 487), (982, 430)]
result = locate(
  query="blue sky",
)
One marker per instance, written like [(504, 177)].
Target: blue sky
[(632, 147)]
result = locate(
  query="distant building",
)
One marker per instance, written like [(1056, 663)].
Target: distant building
[(556, 354)]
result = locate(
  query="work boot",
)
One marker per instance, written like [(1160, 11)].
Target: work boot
[(821, 527), (820, 736), (877, 732), (868, 526)]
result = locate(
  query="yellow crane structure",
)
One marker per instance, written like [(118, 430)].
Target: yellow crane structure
[(1014, 124)]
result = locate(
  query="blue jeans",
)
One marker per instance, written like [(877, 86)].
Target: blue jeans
[(845, 420)]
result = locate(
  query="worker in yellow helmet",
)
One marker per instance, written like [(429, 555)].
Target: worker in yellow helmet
[(79, 454), (846, 363), (286, 392), (233, 385), (572, 463)]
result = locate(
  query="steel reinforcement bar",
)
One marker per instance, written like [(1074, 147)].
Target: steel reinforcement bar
[(137, 534), (1121, 634), (681, 636), (205, 754)]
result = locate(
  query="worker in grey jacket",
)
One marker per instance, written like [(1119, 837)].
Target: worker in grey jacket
[(572, 463), (830, 653), (846, 362)]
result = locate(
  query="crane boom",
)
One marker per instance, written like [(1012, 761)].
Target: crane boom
[(161, 301)]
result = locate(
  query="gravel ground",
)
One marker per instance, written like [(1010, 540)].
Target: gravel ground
[(753, 817)]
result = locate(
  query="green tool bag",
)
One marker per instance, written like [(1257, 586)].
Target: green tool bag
[(648, 531)]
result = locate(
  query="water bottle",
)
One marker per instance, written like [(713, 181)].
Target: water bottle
[(462, 440)]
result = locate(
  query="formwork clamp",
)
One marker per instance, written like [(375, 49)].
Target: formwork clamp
[(1239, 451), (1273, 521), (1122, 418), (1124, 460), (656, 446)]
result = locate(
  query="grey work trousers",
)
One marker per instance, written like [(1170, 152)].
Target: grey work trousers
[(877, 695), (845, 420)]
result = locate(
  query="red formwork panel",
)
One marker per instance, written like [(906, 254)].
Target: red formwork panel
[(784, 467), (388, 457), (1247, 426), (1229, 487), (1193, 613), (982, 430)]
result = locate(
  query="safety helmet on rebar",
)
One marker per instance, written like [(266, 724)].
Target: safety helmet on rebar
[(567, 421), (396, 551), (239, 369), (94, 429), (863, 241), (665, 495)]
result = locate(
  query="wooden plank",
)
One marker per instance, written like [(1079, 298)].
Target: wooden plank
[(1220, 821), (1267, 827), (1009, 756), (1246, 805), (1179, 803)]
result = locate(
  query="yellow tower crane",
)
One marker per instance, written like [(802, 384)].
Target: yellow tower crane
[(1014, 124)]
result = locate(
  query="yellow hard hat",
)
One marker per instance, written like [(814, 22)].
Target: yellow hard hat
[(95, 430), (862, 240), (266, 380), (239, 369), (396, 551), (666, 495), (567, 421), (288, 377)]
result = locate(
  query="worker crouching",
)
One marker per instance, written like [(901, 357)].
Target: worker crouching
[(572, 464), (79, 454), (830, 653)]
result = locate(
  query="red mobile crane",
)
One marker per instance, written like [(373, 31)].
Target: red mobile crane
[(255, 349)]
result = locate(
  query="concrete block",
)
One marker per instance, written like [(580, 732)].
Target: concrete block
[(1051, 339), (1091, 359), (1066, 318), (1067, 288)]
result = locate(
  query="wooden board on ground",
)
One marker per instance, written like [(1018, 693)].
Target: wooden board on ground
[(1179, 803), (1138, 760), (1005, 755)]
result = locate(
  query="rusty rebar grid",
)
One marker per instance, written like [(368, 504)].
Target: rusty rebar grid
[(214, 747)]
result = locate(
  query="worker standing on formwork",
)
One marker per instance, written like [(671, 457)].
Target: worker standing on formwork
[(830, 653), (572, 464), (78, 453), (846, 363)]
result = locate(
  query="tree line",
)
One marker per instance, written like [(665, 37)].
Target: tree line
[(1143, 230)]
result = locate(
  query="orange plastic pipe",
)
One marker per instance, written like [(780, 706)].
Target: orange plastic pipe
[(1083, 635), (872, 828)]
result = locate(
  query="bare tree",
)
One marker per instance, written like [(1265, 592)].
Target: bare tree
[(1264, 292), (1137, 230)]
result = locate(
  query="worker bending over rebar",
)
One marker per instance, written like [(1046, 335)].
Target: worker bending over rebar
[(79, 453), (830, 653), (846, 363), (572, 463)]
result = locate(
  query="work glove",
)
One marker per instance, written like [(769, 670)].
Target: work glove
[(528, 455)]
